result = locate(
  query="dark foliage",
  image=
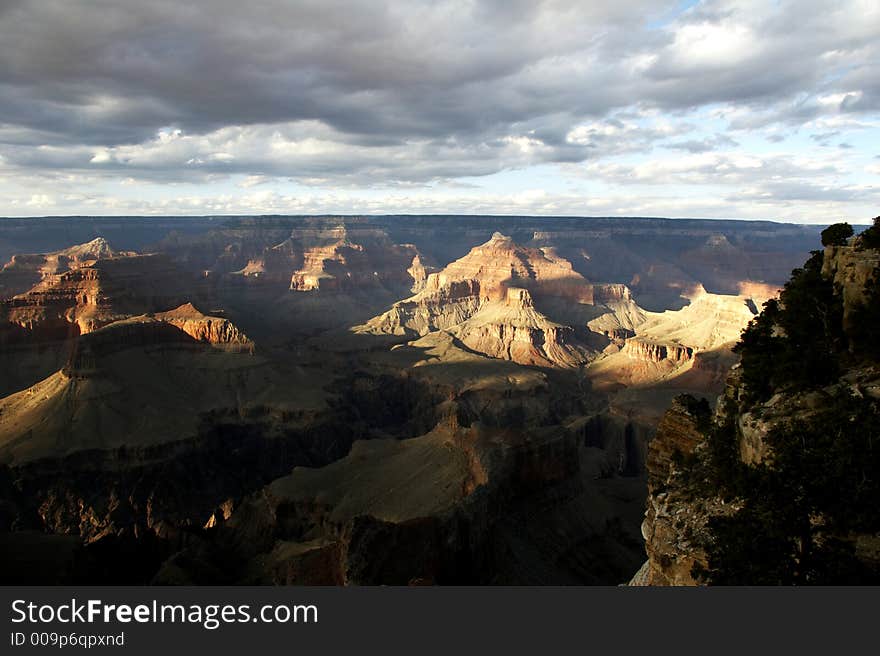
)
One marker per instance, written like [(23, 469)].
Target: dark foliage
[(822, 484), (870, 238), (699, 408), (794, 342), (837, 234), (864, 332)]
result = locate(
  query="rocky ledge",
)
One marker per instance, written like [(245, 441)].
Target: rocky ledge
[(640, 348)]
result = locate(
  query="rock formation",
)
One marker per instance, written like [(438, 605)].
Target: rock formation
[(339, 259), (690, 346), (419, 271), (707, 322), (670, 523), (487, 299), (796, 421), (514, 330), (216, 331), (855, 273), (619, 316), (98, 293), (668, 353), (723, 265), (484, 275), (639, 348), (23, 272), (418, 512), (343, 261), (144, 362), (386, 497)]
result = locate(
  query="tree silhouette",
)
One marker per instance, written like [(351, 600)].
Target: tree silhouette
[(837, 234)]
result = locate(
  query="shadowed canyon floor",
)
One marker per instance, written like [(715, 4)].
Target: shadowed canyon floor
[(354, 400)]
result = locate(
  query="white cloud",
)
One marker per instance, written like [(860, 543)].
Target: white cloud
[(40, 201)]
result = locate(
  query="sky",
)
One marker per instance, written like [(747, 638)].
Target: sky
[(720, 109)]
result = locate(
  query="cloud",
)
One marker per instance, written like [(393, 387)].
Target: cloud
[(716, 168), (705, 145), (776, 191), (755, 204), (431, 94)]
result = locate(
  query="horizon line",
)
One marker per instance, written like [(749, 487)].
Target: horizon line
[(407, 214)]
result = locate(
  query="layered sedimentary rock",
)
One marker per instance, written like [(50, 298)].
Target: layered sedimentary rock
[(321, 276), (708, 321), (514, 330), (669, 353), (639, 348), (385, 514), (95, 287), (723, 265), (23, 272), (419, 271), (476, 496), (609, 249), (620, 316), (217, 250), (690, 346), (483, 275), (338, 259), (488, 300), (100, 292), (431, 309), (276, 263), (361, 260), (501, 263), (91, 350), (611, 292), (216, 331), (663, 266)]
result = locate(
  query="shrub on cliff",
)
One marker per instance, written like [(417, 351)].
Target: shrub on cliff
[(821, 485), (837, 234), (865, 325), (795, 342), (870, 238), (716, 469)]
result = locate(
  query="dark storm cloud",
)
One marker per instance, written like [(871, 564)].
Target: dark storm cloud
[(401, 92), (359, 67)]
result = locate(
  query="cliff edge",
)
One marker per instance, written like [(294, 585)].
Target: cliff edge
[(779, 485)]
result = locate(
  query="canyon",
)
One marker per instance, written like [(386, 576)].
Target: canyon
[(357, 400)]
